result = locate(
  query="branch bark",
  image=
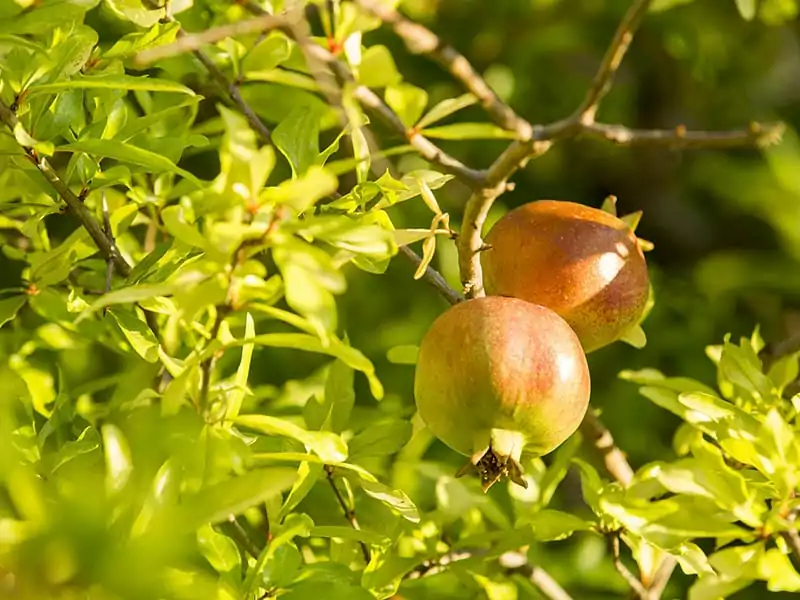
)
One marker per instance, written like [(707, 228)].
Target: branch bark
[(612, 60), (632, 581), (191, 42), (516, 562), (421, 40), (104, 244), (433, 277)]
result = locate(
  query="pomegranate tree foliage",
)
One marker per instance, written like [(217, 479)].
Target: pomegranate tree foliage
[(137, 457)]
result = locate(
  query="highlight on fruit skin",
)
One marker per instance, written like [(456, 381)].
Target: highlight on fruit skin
[(497, 376), (583, 263)]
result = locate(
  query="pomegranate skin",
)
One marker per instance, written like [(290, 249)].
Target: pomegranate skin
[(503, 374), (581, 262)]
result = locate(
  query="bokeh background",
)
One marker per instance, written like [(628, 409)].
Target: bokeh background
[(725, 224)]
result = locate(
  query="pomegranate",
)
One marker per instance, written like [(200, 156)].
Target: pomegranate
[(583, 263), (496, 376)]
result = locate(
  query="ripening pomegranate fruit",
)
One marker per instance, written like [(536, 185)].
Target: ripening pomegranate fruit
[(583, 263), (496, 376)]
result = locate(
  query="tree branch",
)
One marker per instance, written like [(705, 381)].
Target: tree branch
[(612, 60), (757, 134), (349, 512), (613, 458), (233, 91), (433, 277), (421, 40), (426, 148), (106, 246), (191, 42), (516, 562), (626, 574)]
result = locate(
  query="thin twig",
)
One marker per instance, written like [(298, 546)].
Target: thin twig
[(757, 135), (207, 366), (421, 40), (516, 562), (792, 538), (235, 530), (662, 577), (623, 570), (433, 277), (233, 91), (110, 234), (613, 458), (426, 148), (95, 230), (191, 42), (612, 59), (349, 512)]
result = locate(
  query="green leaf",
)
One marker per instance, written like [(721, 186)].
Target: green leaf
[(329, 446), (469, 131), (128, 295), (558, 469), (777, 570), (281, 566), (662, 5), (709, 476), (408, 101), (307, 475), (111, 82), (746, 8), (295, 525), (550, 525), (164, 492), (397, 500), (782, 372), (377, 68), (297, 137), (219, 550), (651, 377), (380, 439), (445, 108), (348, 533), (118, 458), (136, 11), (130, 44), (591, 484), (273, 103), (304, 192), (46, 17), (340, 394), (741, 367), (349, 355), (333, 412), (310, 280), (127, 153), (218, 502), (88, 441), (138, 333), (236, 396), (406, 354), (268, 54), (9, 307)]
